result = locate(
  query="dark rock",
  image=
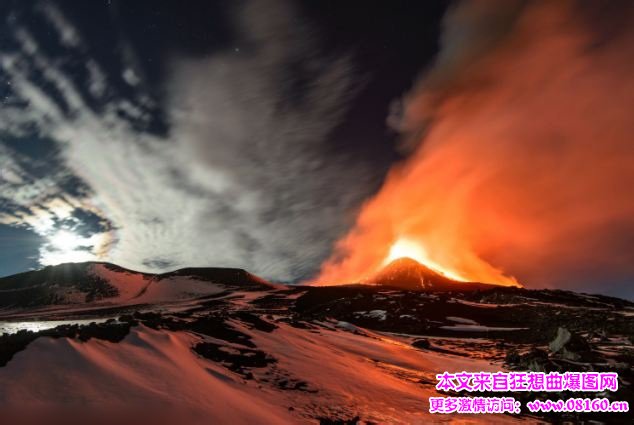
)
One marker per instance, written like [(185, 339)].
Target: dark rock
[(535, 360), (329, 421), (238, 360), (216, 327), (512, 357), (421, 343), (570, 346), (256, 322), (10, 344)]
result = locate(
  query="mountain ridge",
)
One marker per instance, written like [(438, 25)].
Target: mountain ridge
[(96, 282)]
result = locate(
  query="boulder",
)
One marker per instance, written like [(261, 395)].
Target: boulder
[(570, 346)]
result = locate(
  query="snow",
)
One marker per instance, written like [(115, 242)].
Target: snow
[(410, 337), (347, 326), (148, 368), (129, 285), (461, 320), (136, 288), (562, 338), (375, 314), (478, 328), (36, 326), (179, 288), (474, 304), (366, 374)]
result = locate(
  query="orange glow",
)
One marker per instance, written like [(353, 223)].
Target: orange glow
[(408, 248), (523, 166)]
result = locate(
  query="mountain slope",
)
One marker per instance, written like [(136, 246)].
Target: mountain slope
[(93, 283)]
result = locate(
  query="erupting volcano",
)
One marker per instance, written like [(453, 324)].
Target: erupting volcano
[(521, 157), (405, 248), (410, 263), (408, 266), (407, 273)]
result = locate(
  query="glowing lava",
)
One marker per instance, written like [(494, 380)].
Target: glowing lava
[(407, 248)]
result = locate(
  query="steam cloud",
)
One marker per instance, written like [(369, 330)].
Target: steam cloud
[(523, 158)]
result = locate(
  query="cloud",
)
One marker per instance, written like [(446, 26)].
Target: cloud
[(68, 35), (242, 177)]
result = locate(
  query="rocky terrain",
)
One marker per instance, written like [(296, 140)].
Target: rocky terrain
[(226, 345)]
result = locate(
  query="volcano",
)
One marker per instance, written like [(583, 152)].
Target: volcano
[(408, 274)]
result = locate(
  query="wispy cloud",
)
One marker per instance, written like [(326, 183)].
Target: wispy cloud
[(241, 178)]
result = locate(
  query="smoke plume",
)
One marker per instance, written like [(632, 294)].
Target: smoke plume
[(523, 162)]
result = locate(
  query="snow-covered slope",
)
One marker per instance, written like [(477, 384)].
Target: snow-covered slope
[(329, 374), (94, 284), (140, 288), (200, 346)]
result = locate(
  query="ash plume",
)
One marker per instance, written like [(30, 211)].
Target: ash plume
[(522, 159)]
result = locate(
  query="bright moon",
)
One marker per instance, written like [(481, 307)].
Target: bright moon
[(65, 240), (66, 247)]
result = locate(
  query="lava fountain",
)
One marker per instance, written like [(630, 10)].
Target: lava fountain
[(522, 160), (408, 248)]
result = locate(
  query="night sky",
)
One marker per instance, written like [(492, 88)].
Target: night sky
[(221, 133), (163, 134)]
